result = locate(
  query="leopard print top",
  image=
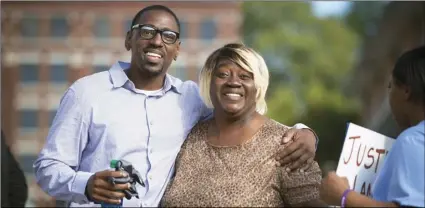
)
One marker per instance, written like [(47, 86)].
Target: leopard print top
[(244, 175)]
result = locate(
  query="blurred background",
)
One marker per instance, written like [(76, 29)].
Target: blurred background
[(330, 62)]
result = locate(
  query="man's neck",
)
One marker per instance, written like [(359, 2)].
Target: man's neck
[(145, 81)]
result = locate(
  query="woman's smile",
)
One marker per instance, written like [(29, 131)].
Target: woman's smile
[(233, 96)]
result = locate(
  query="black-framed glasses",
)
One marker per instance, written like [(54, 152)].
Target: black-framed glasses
[(148, 32)]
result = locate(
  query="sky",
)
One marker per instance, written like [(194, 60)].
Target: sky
[(330, 8)]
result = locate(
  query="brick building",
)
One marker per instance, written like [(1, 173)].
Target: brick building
[(48, 45)]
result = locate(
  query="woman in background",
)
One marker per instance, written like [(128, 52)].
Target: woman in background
[(400, 182)]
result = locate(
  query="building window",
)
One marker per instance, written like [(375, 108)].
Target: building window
[(29, 73), (100, 68), (208, 29), (58, 73), (29, 26), (101, 27), (29, 118), (59, 26)]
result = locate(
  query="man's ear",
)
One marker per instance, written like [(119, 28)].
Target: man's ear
[(127, 41), (177, 50)]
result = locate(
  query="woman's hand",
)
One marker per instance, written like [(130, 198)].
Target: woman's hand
[(300, 151), (332, 188)]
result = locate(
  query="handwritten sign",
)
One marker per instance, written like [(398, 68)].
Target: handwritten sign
[(362, 156)]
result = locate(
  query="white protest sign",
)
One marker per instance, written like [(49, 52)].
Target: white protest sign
[(362, 156)]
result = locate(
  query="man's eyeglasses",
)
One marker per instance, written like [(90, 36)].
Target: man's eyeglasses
[(148, 32)]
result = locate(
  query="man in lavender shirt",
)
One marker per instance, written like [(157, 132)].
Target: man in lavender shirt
[(135, 112)]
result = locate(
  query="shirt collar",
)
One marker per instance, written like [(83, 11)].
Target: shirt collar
[(119, 78)]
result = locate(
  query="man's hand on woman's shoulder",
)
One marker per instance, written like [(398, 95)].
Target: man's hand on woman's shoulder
[(300, 149)]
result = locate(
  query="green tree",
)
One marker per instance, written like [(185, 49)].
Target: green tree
[(364, 17), (309, 59)]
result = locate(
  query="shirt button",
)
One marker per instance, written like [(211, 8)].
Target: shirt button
[(150, 151), (151, 123), (150, 177)]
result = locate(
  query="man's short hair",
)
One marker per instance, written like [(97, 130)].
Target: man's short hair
[(158, 8), (247, 59), (409, 70)]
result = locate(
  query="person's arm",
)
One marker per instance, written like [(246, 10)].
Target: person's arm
[(300, 150), (407, 178), (17, 184), (305, 127), (301, 189), (55, 168), (5, 173), (355, 199), (206, 113)]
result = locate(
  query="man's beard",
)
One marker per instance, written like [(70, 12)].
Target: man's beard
[(152, 71)]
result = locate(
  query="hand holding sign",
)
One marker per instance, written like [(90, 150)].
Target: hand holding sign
[(332, 188), (362, 156)]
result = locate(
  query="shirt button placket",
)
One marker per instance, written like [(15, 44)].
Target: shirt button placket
[(149, 123)]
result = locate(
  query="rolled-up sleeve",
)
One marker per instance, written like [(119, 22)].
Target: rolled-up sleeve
[(299, 188), (303, 126), (58, 162)]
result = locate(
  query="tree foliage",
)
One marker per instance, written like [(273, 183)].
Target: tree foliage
[(309, 59), (364, 16)]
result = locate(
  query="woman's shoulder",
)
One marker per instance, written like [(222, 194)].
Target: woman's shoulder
[(274, 127), (271, 133), (200, 129)]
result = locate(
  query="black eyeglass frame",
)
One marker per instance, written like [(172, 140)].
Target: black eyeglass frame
[(157, 30)]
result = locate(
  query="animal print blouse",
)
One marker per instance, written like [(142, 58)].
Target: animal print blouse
[(244, 175)]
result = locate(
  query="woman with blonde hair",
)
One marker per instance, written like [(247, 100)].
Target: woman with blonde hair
[(228, 160)]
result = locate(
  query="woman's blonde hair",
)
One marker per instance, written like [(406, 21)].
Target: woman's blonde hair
[(247, 59)]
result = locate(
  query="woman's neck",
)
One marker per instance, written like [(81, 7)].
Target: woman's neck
[(231, 131), (224, 121)]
